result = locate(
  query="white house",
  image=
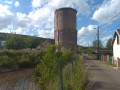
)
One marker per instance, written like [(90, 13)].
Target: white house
[(116, 46)]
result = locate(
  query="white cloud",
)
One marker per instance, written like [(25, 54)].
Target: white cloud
[(81, 5), (106, 11), (5, 16), (105, 39), (22, 20), (38, 3), (8, 2), (4, 10), (5, 31), (44, 17), (84, 43), (22, 31), (41, 17), (91, 30), (11, 29), (46, 33), (17, 4)]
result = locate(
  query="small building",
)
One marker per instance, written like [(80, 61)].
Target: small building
[(116, 46), (103, 53)]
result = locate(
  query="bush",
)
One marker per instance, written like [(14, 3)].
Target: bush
[(24, 62), (23, 58), (74, 78), (5, 61), (48, 67)]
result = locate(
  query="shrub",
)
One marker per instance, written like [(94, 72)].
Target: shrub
[(5, 61), (24, 62), (48, 67), (74, 78), (23, 58)]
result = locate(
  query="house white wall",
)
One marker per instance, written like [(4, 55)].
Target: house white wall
[(116, 50)]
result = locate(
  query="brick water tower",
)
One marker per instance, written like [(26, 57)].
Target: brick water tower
[(65, 28)]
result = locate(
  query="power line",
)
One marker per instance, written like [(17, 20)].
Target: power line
[(112, 24), (108, 31), (110, 20)]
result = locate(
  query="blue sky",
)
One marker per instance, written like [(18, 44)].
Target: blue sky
[(36, 17)]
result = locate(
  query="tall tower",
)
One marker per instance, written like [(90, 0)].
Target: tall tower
[(65, 28)]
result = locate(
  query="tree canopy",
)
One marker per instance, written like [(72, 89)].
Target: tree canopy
[(80, 50), (16, 42), (109, 44), (95, 44)]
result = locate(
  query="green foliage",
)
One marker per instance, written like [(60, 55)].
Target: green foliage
[(66, 57), (109, 63), (32, 42), (74, 78), (48, 67), (109, 44), (94, 57), (5, 61), (15, 42), (89, 51), (24, 62), (20, 57), (110, 59), (95, 44), (80, 50)]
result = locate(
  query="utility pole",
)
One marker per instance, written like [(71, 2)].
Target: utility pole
[(98, 43)]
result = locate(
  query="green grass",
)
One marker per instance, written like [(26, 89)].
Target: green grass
[(22, 58), (110, 64), (110, 59), (118, 68), (74, 78), (94, 57)]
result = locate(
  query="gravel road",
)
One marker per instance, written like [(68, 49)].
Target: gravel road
[(103, 77)]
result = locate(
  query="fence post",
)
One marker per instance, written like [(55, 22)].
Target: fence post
[(60, 75)]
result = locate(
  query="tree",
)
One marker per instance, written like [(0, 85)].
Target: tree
[(95, 44), (80, 50), (109, 44), (89, 51), (32, 42), (15, 42), (0, 45)]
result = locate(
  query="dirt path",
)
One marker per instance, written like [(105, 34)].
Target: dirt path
[(102, 76), (18, 80)]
